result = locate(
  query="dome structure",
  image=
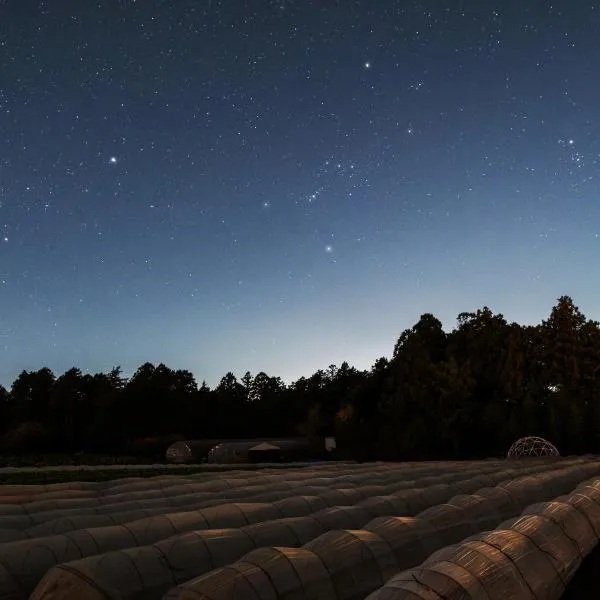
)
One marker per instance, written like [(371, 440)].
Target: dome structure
[(179, 452), (189, 451), (532, 446)]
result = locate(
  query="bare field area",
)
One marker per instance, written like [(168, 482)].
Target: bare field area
[(382, 531)]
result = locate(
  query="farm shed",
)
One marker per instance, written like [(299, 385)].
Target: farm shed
[(245, 451), (265, 453)]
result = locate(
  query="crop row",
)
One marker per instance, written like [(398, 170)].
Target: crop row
[(23, 563), (532, 557), (159, 478), (147, 564), (349, 564), (18, 513), (220, 480), (76, 474), (69, 475), (44, 517)]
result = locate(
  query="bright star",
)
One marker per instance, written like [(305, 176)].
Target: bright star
[(112, 160), (367, 65), (329, 249)]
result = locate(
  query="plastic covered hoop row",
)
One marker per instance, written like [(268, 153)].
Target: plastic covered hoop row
[(25, 563), (27, 502), (35, 512), (186, 556), (531, 556), (37, 524), (357, 562), (187, 550)]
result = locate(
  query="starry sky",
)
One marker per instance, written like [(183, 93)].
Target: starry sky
[(281, 185)]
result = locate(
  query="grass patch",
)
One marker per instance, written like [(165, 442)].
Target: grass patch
[(55, 474), (49, 460)]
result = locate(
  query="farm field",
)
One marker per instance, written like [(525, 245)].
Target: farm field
[(32, 475), (382, 531)]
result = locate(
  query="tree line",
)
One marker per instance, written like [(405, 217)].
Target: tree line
[(465, 394)]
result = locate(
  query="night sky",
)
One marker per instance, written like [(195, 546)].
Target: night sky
[(278, 186)]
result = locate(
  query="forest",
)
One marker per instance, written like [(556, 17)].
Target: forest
[(465, 394)]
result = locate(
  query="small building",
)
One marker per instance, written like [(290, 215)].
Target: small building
[(262, 450), (330, 444), (265, 453)]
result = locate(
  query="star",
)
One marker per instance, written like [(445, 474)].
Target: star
[(329, 249), (113, 160), (367, 64)]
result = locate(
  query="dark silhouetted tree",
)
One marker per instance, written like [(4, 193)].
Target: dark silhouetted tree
[(31, 393), (464, 394)]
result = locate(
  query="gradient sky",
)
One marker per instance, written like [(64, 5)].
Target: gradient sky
[(278, 186)]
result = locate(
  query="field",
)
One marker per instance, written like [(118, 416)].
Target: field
[(104, 473), (382, 531)]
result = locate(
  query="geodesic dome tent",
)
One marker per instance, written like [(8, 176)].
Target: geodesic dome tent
[(532, 446)]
